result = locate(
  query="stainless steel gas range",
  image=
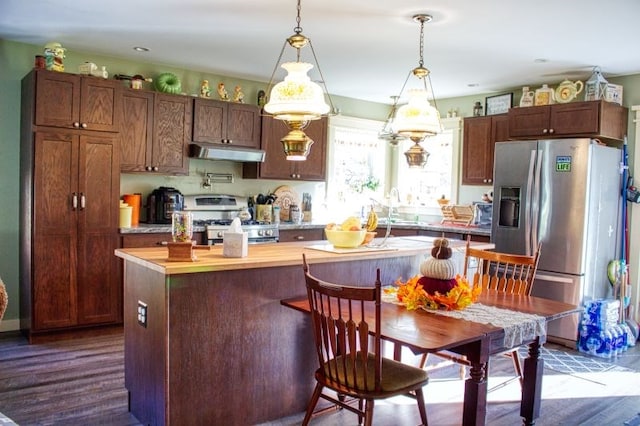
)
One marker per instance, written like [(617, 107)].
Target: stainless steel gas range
[(215, 213)]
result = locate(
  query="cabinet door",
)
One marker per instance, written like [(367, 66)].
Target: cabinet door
[(276, 165), (98, 100), (530, 122), (57, 99), (74, 102), (209, 121), (136, 131), (98, 290), (171, 133), (499, 133), (301, 234), (476, 150), (243, 125), (315, 167), (145, 240), (575, 119), (54, 230)]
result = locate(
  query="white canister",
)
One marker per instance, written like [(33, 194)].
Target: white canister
[(125, 215), (276, 214)]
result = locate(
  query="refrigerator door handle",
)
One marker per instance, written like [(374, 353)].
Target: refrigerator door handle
[(537, 193), (529, 198)]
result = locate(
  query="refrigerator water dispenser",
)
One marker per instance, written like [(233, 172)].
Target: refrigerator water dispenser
[(509, 205)]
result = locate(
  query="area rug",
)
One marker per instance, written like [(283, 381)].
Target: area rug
[(572, 362)]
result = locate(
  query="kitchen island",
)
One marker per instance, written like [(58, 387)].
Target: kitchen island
[(208, 342)]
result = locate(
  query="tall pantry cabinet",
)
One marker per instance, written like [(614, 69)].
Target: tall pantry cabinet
[(70, 185)]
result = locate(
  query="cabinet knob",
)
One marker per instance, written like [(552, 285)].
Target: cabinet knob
[(76, 124), (83, 125), (551, 131), (229, 141), (154, 168), (148, 168), (299, 237), (545, 131)]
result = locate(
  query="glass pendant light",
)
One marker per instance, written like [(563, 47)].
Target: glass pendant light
[(297, 100), (387, 132), (418, 119)]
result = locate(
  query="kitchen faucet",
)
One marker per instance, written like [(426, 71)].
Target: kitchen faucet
[(393, 194)]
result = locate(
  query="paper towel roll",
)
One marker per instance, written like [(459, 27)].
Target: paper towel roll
[(133, 200)]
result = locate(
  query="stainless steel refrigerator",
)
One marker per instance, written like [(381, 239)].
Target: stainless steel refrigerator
[(565, 194)]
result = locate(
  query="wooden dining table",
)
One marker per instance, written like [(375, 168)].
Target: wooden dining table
[(426, 332)]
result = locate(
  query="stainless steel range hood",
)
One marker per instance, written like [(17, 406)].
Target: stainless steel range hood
[(216, 152)]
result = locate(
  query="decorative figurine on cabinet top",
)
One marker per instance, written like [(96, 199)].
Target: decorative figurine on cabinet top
[(54, 55), (238, 95), (222, 92), (262, 98), (205, 90)]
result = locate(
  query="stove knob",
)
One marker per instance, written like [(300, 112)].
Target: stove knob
[(268, 232), (220, 234)]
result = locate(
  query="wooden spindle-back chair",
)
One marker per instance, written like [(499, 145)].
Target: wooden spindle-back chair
[(346, 331)]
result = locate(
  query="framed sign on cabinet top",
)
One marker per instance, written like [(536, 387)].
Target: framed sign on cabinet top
[(498, 104)]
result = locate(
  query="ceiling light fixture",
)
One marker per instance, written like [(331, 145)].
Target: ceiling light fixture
[(387, 132), (297, 100), (417, 119), (140, 49)]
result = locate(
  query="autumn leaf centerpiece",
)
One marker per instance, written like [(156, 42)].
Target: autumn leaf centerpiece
[(437, 286)]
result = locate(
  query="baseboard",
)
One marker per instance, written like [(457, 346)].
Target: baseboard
[(9, 325)]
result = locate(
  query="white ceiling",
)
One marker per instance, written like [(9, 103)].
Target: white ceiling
[(365, 48)]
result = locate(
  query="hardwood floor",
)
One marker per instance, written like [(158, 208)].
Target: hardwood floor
[(81, 382)]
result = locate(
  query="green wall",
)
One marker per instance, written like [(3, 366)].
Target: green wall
[(16, 59)]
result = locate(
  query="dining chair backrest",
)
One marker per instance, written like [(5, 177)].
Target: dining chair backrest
[(343, 336), (509, 273)]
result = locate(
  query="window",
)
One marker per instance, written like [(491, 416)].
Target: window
[(357, 166), (421, 188)]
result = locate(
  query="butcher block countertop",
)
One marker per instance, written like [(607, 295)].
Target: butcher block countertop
[(210, 259)]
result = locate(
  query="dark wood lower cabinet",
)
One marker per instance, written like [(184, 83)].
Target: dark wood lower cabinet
[(313, 234)]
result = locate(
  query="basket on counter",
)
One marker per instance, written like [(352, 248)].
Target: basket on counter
[(457, 213)]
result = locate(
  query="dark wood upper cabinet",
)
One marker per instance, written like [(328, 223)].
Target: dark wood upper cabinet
[(136, 131), (171, 133), (276, 165), (76, 102), (226, 123), (154, 132), (597, 119), (479, 138)]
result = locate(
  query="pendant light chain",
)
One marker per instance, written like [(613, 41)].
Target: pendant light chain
[(421, 63), (298, 28)]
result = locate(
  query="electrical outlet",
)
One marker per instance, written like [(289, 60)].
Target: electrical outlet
[(142, 314)]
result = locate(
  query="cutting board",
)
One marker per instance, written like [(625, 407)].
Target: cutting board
[(286, 196), (362, 249)]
